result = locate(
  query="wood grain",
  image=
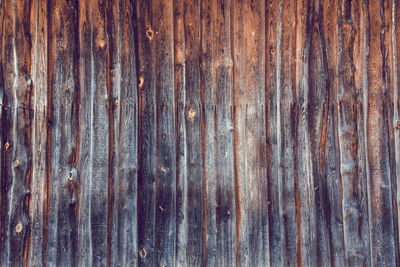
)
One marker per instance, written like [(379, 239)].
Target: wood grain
[(199, 133)]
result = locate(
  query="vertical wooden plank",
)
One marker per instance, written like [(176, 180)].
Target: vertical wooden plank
[(181, 139), (249, 113), (332, 171), (317, 129), (63, 119), (353, 212), (225, 197), (3, 195), (122, 72), (188, 104), (157, 137), (239, 117), (390, 121), (286, 121), (396, 100), (100, 134), (306, 186), (382, 242), (361, 84), (147, 137), (18, 158), (39, 133), (3, 141), (272, 17), (85, 145), (165, 133), (208, 131)]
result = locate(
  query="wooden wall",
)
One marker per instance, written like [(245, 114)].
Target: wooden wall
[(199, 132)]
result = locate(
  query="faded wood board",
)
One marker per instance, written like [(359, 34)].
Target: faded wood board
[(199, 133)]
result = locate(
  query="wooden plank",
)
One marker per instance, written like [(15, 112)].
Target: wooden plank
[(361, 85), (208, 132), (250, 149), (239, 117), (225, 200), (189, 143), (157, 136), (165, 210), (396, 101), (381, 225), (85, 152), (388, 79), (39, 133), (180, 132), (318, 97), (147, 137), (99, 135), (63, 120), (18, 157), (286, 127), (273, 18), (123, 79), (3, 141), (307, 218), (353, 212), (333, 197)]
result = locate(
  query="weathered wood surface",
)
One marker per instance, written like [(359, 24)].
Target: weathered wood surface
[(199, 133)]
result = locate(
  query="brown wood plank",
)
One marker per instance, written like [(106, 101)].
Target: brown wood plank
[(354, 210), (318, 97), (396, 101), (250, 148), (381, 225)]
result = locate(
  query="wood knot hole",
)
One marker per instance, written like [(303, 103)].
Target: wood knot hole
[(149, 34), (18, 228), (142, 253), (191, 114)]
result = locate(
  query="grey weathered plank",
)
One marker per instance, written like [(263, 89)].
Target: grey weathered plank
[(353, 212), (39, 133), (190, 240), (63, 135), (272, 18), (146, 136), (208, 132), (84, 167), (333, 192), (123, 75), (286, 127), (224, 187)]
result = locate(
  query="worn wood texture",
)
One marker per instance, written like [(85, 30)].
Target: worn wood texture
[(199, 133)]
